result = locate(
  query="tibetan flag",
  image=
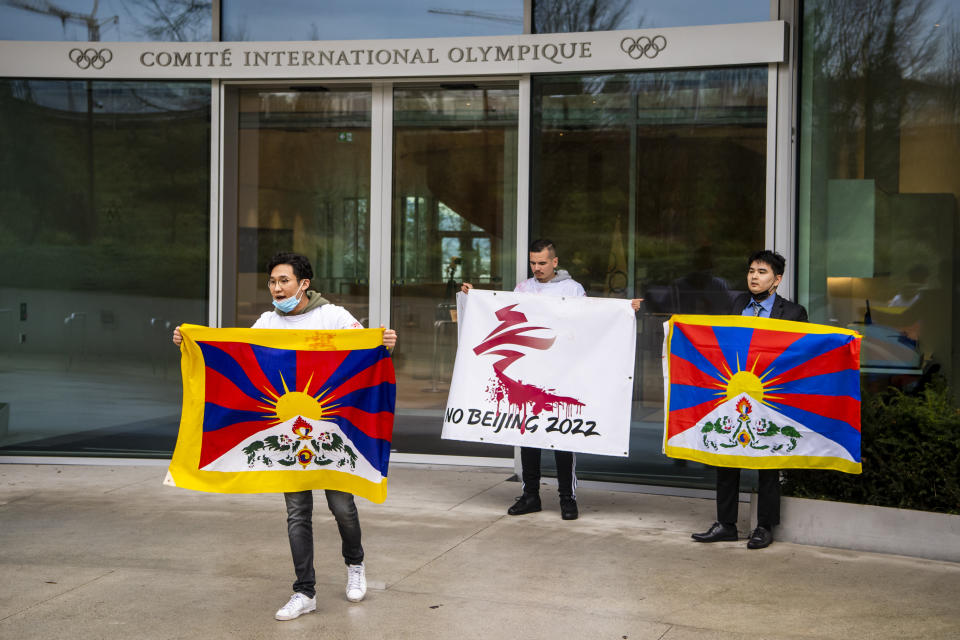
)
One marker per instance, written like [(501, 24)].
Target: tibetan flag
[(270, 410), (760, 393)]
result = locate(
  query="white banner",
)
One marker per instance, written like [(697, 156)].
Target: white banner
[(543, 371)]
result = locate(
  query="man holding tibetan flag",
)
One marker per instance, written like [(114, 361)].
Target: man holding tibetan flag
[(760, 389), (291, 411)]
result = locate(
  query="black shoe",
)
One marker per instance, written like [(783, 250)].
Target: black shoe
[(717, 533), (568, 509), (527, 503), (760, 538)]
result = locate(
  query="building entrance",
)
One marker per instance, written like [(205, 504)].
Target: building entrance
[(303, 185), (414, 185)]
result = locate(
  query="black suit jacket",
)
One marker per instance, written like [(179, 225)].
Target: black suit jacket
[(782, 308)]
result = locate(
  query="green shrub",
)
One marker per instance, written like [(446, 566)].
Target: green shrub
[(910, 452)]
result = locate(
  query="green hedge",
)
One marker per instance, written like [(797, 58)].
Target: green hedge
[(910, 452)]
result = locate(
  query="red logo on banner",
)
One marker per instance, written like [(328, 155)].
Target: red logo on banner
[(512, 330)]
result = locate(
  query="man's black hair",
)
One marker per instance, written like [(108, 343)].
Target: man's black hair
[(539, 245), (300, 265), (770, 258)]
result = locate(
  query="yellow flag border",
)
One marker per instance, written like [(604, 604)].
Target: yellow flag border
[(768, 462), (769, 324), (299, 339), (184, 469)]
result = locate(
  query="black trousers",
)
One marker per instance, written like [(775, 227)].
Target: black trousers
[(566, 472), (728, 499), (300, 532)]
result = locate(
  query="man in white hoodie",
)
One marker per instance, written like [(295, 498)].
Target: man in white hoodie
[(295, 307), (547, 280)]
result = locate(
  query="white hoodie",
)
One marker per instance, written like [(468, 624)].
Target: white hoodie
[(560, 285), (318, 314)]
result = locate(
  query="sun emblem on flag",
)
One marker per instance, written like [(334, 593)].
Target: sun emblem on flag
[(745, 382), (298, 404)]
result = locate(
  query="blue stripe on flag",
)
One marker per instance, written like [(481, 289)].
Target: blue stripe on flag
[(373, 399), (806, 348), (224, 364), (681, 346), (684, 396), (216, 417), (353, 364), (735, 344), (276, 363), (837, 430), (375, 450), (839, 383)]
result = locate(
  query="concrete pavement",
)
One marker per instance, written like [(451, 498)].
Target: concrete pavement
[(107, 552)]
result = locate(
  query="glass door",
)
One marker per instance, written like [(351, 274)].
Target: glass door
[(314, 167), (652, 185), (453, 220), (303, 185)]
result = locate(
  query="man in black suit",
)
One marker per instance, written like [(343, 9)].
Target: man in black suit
[(764, 273)]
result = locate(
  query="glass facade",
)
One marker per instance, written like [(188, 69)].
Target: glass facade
[(304, 185), (652, 185), (454, 220), (368, 19), (878, 234), (104, 248), (572, 16), (877, 215), (107, 20)]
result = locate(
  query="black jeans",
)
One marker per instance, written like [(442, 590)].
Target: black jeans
[(768, 498), (566, 471), (300, 531)]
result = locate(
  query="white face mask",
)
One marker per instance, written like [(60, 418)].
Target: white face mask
[(288, 304)]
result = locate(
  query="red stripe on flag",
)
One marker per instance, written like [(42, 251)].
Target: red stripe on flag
[(844, 357), (682, 419), (221, 390), (380, 371), (704, 340), (320, 365), (842, 408), (685, 372), (376, 425), (766, 346), (216, 443)]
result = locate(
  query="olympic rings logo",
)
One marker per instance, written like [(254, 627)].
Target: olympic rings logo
[(636, 48), (90, 58)]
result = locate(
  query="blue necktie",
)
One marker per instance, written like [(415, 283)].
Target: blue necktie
[(757, 307)]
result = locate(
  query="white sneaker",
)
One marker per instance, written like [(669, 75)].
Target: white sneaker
[(356, 582), (299, 604)]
